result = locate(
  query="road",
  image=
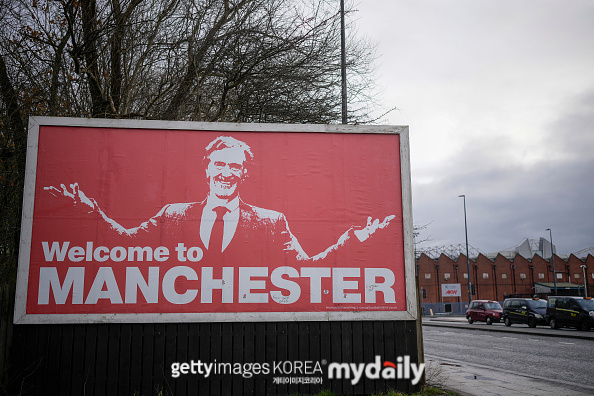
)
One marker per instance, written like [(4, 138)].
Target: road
[(559, 359)]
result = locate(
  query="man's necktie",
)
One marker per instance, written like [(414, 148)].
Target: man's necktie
[(215, 245)]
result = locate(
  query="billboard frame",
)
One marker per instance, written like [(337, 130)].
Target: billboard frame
[(21, 317)]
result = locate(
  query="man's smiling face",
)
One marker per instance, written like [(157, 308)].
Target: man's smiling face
[(225, 172)]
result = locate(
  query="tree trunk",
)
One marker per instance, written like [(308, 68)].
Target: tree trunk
[(99, 106)]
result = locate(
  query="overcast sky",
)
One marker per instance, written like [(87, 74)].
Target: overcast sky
[(499, 97)]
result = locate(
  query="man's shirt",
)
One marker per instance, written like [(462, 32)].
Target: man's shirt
[(231, 219)]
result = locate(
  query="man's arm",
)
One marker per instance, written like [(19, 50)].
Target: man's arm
[(81, 205), (75, 198), (355, 234)]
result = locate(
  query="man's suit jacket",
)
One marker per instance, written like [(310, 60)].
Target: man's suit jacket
[(262, 235)]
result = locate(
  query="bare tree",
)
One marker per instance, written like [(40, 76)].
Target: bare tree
[(242, 60), (206, 60)]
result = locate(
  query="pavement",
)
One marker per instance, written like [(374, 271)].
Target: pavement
[(472, 379)]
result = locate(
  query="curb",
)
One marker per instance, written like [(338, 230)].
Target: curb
[(506, 330)]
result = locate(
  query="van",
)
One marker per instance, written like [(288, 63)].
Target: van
[(524, 310), (570, 311)]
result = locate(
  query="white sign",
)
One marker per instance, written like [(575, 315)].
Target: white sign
[(451, 290)]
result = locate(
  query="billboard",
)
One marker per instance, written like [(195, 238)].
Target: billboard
[(152, 221), (451, 290)]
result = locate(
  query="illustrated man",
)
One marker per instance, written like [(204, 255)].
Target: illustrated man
[(222, 226)]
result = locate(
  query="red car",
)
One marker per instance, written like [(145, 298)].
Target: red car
[(484, 311)]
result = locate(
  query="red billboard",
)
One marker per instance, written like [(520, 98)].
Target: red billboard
[(131, 221)]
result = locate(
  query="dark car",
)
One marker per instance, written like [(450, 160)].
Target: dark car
[(524, 310), (484, 311), (568, 311)]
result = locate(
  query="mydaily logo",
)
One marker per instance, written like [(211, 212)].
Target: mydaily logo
[(402, 369)]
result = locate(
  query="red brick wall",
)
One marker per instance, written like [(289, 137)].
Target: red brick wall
[(521, 274)]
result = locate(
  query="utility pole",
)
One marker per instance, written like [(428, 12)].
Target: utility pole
[(343, 63), (467, 259)]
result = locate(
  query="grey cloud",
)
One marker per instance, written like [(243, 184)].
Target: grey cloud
[(508, 201)]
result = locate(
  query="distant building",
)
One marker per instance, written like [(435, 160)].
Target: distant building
[(521, 271)]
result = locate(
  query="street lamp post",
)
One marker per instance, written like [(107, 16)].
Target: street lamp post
[(467, 259), (583, 266), (553, 261)]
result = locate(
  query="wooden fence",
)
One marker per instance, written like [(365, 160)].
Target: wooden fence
[(6, 328), (135, 359)]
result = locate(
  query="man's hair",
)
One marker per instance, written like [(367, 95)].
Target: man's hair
[(223, 142)]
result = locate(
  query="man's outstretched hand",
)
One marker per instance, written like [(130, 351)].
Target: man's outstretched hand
[(372, 226), (75, 197)]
